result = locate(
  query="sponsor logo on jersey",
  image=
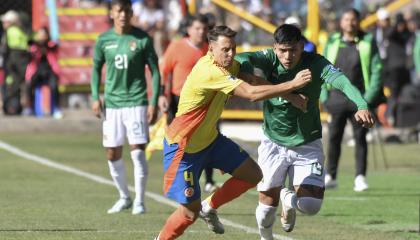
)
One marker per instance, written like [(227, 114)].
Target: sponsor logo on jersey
[(133, 45), (111, 46), (189, 192)]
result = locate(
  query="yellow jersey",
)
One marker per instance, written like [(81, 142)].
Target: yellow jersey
[(201, 103)]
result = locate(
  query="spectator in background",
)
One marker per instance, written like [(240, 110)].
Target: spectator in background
[(382, 31), (396, 71), (149, 16), (16, 57), (416, 56), (43, 69), (355, 53)]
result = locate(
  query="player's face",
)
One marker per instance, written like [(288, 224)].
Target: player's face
[(121, 15), (223, 50), (349, 23), (197, 32), (289, 54)]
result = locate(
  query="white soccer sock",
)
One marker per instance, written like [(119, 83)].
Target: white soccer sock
[(290, 200), (140, 173), (117, 170), (266, 215)]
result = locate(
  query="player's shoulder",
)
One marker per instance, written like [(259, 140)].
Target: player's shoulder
[(107, 34), (313, 58)]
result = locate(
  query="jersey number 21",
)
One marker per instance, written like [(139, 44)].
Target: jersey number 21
[(121, 61)]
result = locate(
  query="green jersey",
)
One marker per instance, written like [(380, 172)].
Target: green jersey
[(125, 56), (283, 123)]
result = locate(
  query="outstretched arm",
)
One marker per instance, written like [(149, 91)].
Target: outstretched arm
[(298, 100), (261, 92), (363, 115)]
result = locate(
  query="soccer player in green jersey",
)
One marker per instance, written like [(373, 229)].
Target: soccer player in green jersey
[(125, 51), (292, 144)]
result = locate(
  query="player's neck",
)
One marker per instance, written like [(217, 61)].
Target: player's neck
[(196, 44), (122, 30)]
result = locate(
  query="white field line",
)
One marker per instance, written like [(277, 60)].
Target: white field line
[(158, 198)]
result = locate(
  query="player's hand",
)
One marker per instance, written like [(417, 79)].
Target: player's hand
[(365, 118), (163, 104), (97, 108), (151, 114), (299, 101), (302, 78)]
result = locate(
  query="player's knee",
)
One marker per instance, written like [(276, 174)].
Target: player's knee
[(309, 205), (265, 215)]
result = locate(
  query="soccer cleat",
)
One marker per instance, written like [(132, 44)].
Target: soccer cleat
[(329, 182), (138, 208), (210, 188), (120, 205), (288, 215), (209, 215), (360, 184)]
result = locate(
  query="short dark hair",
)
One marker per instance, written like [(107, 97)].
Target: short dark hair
[(287, 34), (352, 10), (198, 17), (222, 30), (122, 3)]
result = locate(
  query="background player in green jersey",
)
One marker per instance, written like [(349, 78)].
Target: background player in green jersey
[(125, 51), (292, 144)]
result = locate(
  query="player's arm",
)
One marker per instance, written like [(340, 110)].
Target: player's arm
[(152, 62), (95, 83), (262, 92), (363, 115), (167, 68), (298, 100)]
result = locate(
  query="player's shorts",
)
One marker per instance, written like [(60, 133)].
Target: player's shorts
[(184, 185), (121, 122), (303, 164)]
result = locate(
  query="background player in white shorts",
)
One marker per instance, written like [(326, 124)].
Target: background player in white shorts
[(125, 50), (292, 146)]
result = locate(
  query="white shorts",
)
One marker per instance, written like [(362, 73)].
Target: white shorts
[(130, 121), (303, 164)]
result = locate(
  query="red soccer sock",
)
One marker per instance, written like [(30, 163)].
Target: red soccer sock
[(175, 225), (230, 190)]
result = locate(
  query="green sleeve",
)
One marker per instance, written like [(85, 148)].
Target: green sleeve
[(250, 60), (375, 82), (416, 52), (152, 61), (324, 93), (98, 62), (343, 84)]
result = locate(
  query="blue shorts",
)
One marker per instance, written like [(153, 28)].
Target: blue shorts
[(184, 187)]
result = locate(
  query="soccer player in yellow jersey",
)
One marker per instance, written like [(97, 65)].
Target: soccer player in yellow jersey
[(192, 141)]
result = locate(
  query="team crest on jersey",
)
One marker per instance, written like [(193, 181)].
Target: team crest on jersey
[(133, 45), (189, 192)]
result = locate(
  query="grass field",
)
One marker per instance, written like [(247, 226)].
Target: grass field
[(41, 202)]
